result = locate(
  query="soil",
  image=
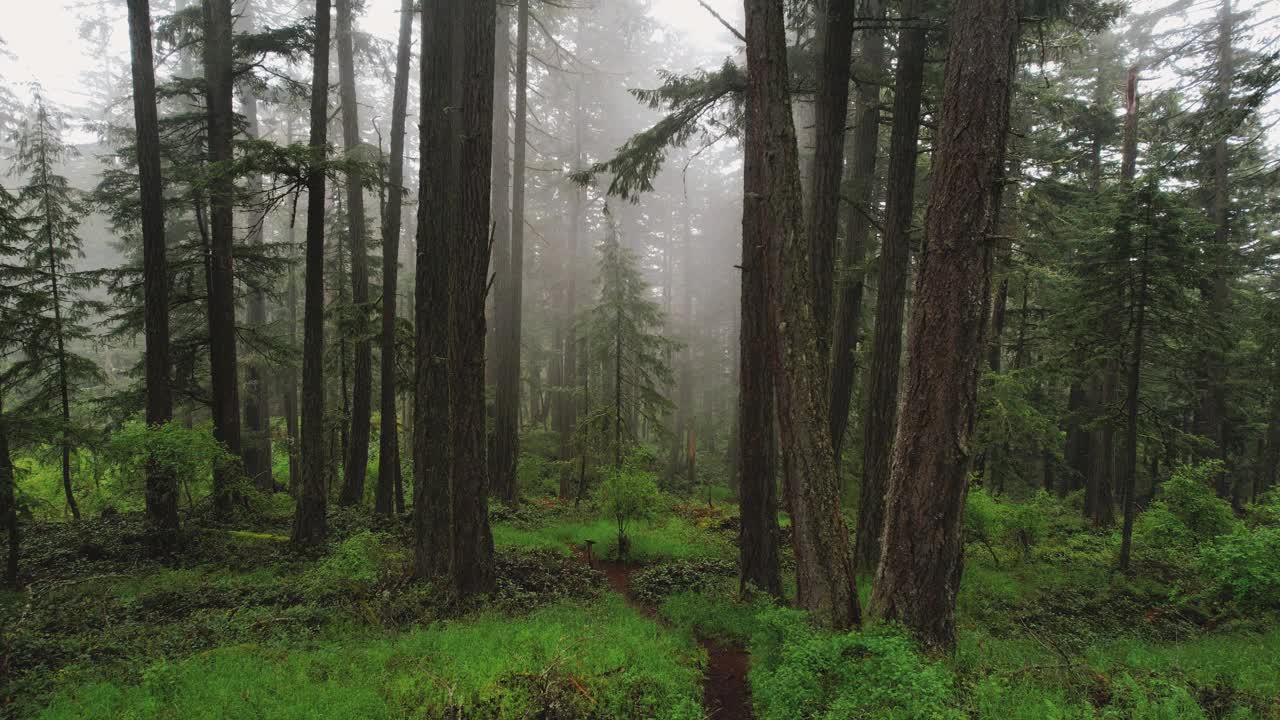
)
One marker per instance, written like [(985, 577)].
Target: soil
[(726, 693)]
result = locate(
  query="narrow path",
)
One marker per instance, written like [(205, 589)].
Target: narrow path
[(726, 693)]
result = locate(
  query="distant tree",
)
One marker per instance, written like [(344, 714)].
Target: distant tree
[(15, 290), (355, 463), (162, 488), (623, 337), (310, 523), (53, 210), (389, 443), (919, 571)]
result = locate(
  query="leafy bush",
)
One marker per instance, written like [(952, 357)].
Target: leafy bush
[(655, 583), (1244, 567), (1265, 510), (356, 563), (187, 453), (799, 672), (628, 495), (1186, 516)]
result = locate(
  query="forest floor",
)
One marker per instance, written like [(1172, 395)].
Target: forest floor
[(236, 624)]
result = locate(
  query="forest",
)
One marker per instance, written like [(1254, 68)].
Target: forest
[(670, 359)]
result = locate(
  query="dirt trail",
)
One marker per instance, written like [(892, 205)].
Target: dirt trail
[(726, 694)]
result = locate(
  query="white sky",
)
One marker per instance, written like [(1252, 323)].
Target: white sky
[(42, 39)]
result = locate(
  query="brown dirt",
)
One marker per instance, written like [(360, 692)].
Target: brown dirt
[(726, 693)]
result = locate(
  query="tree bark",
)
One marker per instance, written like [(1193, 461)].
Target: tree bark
[(1128, 164), (257, 408), (567, 400), (223, 380), (9, 504), (919, 570), (357, 456), (831, 108), (471, 549), (389, 434), (880, 422), (510, 307), (861, 178), (438, 219), (824, 564), (310, 524), (162, 487)]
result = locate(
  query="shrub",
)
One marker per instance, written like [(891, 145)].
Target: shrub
[(1244, 568), (187, 453), (800, 672), (652, 584), (356, 564), (1186, 516), (628, 495)]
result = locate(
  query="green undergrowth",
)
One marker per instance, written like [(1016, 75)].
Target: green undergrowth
[(668, 537), (568, 660)]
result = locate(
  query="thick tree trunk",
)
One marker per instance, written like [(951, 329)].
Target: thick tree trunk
[(438, 219), (388, 490), (831, 108), (162, 487), (919, 570), (1076, 453), (471, 549), (880, 422), (861, 180), (503, 468), (310, 524), (223, 380), (509, 307), (824, 564), (357, 450)]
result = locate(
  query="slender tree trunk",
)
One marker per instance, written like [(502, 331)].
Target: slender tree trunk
[(223, 381), (389, 490), (919, 570), (861, 179), (569, 371), (310, 524), (824, 563), (438, 220), (471, 551), (831, 108), (1213, 402), (880, 423), (357, 450), (509, 307), (162, 487), (9, 504), (257, 408), (1129, 158)]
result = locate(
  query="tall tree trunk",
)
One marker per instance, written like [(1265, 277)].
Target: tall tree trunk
[(1128, 165), (290, 385), (569, 372), (919, 570), (438, 220), (1213, 401), (257, 408), (861, 179), (880, 423), (310, 524), (831, 108), (388, 437), (471, 550), (162, 486), (774, 216), (502, 468), (357, 455), (510, 303), (223, 380)]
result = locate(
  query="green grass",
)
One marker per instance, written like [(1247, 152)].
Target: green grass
[(717, 616), (668, 538), (602, 659)]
